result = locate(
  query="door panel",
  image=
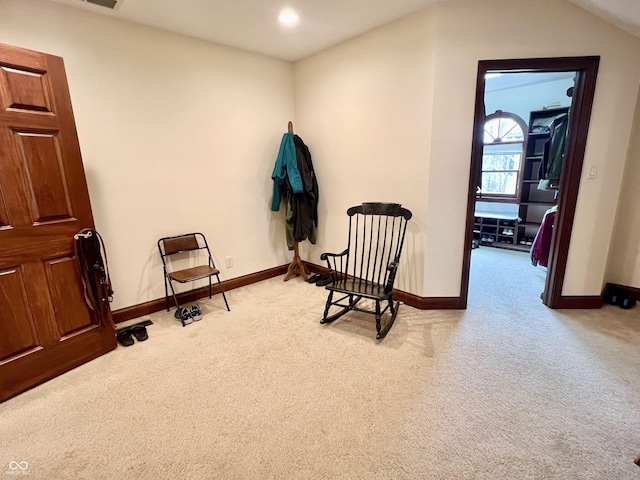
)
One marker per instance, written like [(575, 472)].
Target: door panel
[(46, 327), (17, 331), (4, 218), (67, 299), (44, 176), (25, 90)]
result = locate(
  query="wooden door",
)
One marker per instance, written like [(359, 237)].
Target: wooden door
[(46, 327)]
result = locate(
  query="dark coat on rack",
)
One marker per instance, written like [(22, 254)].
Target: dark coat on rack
[(305, 204)]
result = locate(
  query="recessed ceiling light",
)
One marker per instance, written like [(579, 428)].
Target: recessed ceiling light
[(288, 18)]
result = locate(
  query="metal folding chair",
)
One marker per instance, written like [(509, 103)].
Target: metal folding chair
[(196, 245)]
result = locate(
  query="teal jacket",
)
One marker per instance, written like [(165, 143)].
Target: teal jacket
[(286, 166)]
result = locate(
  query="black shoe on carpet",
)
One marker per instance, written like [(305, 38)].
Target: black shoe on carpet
[(140, 333), (124, 337), (325, 280), (314, 278)]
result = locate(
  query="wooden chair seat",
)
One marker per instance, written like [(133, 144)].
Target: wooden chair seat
[(359, 287), (194, 273)]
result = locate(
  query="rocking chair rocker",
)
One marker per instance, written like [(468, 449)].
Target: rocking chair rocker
[(368, 267)]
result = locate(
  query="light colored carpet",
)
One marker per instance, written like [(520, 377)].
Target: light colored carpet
[(505, 390)]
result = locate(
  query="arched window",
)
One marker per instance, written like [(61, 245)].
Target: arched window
[(504, 136)]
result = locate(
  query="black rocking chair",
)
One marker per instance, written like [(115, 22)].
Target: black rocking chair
[(368, 267)]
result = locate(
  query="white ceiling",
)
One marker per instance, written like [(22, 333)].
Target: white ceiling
[(252, 24)]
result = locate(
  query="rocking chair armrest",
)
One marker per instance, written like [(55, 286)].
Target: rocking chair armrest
[(325, 255)]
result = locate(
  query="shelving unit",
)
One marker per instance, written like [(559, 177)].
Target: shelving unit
[(495, 229), (534, 202)]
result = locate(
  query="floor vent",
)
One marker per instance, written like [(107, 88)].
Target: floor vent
[(104, 3)]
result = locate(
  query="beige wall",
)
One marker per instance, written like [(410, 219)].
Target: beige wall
[(179, 134), (364, 108), (624, 260), (176, 135), (426, 64)]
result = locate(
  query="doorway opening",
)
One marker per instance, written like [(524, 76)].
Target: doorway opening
[(506, 188)]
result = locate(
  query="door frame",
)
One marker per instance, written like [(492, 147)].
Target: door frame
[(581, 106)]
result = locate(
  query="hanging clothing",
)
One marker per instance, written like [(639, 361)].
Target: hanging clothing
[(554, 153), (290, 226), (542, 242), (305, 205), (286, 168), (295, 179)]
